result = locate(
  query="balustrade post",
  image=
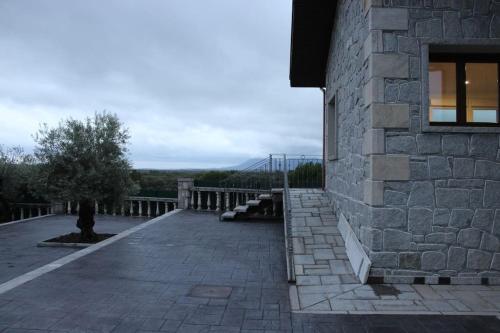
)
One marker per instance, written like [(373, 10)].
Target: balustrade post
[(175, 205), (69, 208), (209, 201), (96, 207), (12, 216), (149, 208), (228, 200), (122, 208), (256, 196), (39, 211), (274, 208), (184, 191), (237, 198), (77, 207), (105, 207), (247, 197), (217, 201), (113, 207), (22, 213), (199, 201), (157, 212), (31, 212), (192, 200), (140, 208), (131, 209)]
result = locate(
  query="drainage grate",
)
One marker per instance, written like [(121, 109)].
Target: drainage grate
[(210, 291)]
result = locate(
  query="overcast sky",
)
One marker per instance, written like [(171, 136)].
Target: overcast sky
[(199, 83)]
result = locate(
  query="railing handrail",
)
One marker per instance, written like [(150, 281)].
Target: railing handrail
[(151, 199)]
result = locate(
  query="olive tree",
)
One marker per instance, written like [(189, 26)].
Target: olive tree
[(85, 161)]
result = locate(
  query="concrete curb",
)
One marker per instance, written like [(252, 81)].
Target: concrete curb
[(11, 284), (26, 220)]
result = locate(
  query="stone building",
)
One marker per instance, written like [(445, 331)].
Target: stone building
[(411, 129)]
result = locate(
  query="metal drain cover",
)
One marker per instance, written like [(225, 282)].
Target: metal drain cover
[(210, 291)]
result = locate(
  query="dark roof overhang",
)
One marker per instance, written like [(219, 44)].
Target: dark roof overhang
[(312, 22)]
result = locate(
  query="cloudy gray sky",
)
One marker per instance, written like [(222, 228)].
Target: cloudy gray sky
[(199, 83)]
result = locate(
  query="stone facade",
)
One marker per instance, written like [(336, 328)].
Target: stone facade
[(422, 201)]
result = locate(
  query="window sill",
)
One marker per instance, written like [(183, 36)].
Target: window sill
[(460, 129)]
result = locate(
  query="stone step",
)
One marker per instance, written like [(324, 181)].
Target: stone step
[(253, 203), (228, 216), (241, 209), (265, 197)]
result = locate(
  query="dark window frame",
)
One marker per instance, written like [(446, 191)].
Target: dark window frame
[(460, 60)]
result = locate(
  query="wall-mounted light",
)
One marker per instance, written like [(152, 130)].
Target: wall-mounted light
[(467, 82)]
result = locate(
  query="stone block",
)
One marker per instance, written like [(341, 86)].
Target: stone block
[(401, 144), (420, 220), (452, 25), (495, 263), (389, 167), (484, 145), (466, 183), (483, 219), (388, 218), (463, 168), (419, 170), (388, 66), (441, 238), (409, 260), (371, 238), (439, 167), (408, 45), (492, 194), (456, 145), (409, 92), (452, 198), (487, 170), (476, 198), (373, 43), (489, 243), (432, 28), (373, 142), (477, 259), (388, 18), (373, 91), (496, 223), (396, 240), (441, 217), (429, 143), (433, 260), (374, 192), (395, 198), (390, 115), (456, 258), (476, 27), (461, 218), (421, 194), (384, 259), (469, 238)]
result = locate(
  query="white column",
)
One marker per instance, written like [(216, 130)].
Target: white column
[(69, 208), (149, 208), (96, 207), (175, 205), (199, 201), (140, 208), (209, 201), (217, 202), (78, 207), (114, 209), (105, 209), (22, 213), (247, 197), (131, 208), (122, 208), (157, 213), (237, 198), (228, 201), (192, 199), (39, 211)]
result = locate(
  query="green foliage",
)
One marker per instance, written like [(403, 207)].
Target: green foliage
[(85, 160), (212, 178), (17, 176), (307, 175)]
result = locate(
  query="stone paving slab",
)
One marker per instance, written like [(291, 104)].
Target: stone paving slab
[(19, 253), (325, 282)]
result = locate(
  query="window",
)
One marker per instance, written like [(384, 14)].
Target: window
[(331, 125), (464, 90)]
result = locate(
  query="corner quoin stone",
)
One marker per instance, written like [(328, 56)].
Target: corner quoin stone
[(374, 192), (388, 66), (388, 18), (390, 167), (373, 142)]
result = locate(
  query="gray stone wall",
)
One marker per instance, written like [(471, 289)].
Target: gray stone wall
[(346, 72), (422, 200)]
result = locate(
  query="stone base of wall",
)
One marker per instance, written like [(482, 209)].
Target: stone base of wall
[(433, 279)]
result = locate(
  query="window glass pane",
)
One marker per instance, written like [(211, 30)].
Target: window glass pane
[(442, 92), (482, 92)]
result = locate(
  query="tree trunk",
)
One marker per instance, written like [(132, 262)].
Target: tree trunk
[(86, 221)]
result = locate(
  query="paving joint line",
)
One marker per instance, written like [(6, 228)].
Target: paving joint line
[(29, 219)]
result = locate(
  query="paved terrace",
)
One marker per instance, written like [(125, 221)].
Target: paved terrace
[(19, 253), (156, 279), (326, 282)]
